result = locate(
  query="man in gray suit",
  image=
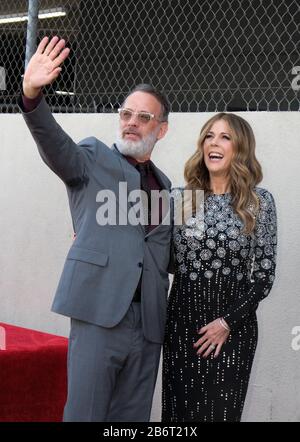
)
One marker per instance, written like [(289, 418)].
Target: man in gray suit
[(114, 283)]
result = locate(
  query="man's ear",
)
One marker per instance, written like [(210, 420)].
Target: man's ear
[(163, 130)]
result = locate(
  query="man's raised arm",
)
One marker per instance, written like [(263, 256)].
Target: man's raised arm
[(56, 148)]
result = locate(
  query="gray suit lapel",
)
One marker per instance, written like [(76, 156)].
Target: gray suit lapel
[(131, 176), (165, 185), (163, 181)]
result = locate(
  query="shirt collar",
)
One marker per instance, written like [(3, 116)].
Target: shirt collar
[(131, 160)]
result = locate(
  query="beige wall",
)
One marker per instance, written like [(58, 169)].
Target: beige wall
[(35, 234)]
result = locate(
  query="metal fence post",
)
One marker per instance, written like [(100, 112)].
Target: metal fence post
[(33, 12)]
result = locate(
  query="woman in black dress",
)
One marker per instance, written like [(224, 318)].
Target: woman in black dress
[(224, 266)]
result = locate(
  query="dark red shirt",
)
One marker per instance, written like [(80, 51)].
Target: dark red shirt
[(29, 104)]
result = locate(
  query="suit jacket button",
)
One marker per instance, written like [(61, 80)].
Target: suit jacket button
[(140, 264)]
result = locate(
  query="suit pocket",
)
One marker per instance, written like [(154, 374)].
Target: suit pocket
[(88, 256)]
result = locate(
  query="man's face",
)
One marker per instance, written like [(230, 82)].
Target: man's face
[(134, 130), (137, 136)]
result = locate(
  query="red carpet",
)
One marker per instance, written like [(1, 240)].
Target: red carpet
[(33, 375)]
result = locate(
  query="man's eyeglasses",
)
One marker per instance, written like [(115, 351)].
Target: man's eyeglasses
[(143, 117)]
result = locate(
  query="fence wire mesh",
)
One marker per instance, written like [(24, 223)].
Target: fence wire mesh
[(214, 55)]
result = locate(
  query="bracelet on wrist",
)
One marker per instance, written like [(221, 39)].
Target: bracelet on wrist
[(224, 324)]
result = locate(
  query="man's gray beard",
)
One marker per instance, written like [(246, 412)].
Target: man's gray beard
[(137, 149)]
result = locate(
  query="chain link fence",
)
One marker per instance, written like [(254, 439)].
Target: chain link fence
[(210, 55)]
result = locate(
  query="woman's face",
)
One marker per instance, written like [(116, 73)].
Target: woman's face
[(218, 149)]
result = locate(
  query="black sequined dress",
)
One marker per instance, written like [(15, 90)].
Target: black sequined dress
[(219, 272)]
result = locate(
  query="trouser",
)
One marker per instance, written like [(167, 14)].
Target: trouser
[(111, 371)]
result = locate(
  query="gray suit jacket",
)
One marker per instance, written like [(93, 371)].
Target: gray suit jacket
[(104, 264)]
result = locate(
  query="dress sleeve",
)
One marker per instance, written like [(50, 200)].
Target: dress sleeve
[(262, 262)]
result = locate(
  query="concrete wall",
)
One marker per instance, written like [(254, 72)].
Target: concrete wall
[(35, 234)]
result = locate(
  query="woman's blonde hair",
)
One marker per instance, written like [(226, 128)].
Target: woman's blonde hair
[(245, 172)]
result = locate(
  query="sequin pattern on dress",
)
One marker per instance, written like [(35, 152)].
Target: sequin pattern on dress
[(219, 272)]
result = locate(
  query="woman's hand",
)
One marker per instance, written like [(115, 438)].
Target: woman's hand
[(213, 337)]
